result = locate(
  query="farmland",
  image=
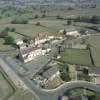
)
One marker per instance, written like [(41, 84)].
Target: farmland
[(5, 88), (76, 56), (7, 92), (49, 23), (94, 41), (22, 95)]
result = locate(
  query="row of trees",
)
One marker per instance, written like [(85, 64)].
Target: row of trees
[(89, 19), (15, 21), (37, 16), (25, 21)]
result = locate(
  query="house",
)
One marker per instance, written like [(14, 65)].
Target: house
[(51, 73), (52, 78), (70, 32), (30, 53), (40, 41), (94, 73)]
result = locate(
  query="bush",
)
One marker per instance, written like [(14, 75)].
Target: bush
[(36, 16), (69, 22), (38, 24), (7, 29), (3, 34), (44, 15), (64, 72), (12, 30), (9, 40)]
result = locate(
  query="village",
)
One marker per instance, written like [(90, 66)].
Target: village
[(55, 71), (49, 49)]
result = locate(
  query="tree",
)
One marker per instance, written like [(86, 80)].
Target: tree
[(12, 29), (74, 22), (69, 22), (94, 20), (3, 34), (9, 40), (38, 24), (64, 70), (58, 17), (6, 29), (43, 15), (36, 16)]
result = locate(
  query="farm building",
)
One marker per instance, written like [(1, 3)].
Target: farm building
[(70, 32)]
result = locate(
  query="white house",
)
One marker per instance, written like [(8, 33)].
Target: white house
[(29, 53), (70, 32), (73, 33), (40, 41)]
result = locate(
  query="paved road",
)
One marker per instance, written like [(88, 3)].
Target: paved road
[(48, 94)]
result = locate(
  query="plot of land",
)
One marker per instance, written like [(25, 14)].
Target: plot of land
[(5, 89), (51, 26), (76, 56), (22, 95), (94, 41)]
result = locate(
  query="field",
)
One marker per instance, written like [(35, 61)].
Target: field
[(5, 89), (51, 26), (22, 95), (8, 93), (94, 41), (48, 24), (76, 56)]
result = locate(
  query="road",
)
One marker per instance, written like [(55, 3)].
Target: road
[(47, 94)]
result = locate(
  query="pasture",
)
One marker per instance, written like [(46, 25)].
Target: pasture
[(94, 42), (76, 56), (5, 88)]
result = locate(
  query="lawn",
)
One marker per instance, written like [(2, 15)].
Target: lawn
[(5, 89), (76, 56), (94, 41)]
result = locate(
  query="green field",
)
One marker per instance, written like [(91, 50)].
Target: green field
[(51, 26), (7, 92), (94, 41), (22, 95), (76, 56), (5, 89)]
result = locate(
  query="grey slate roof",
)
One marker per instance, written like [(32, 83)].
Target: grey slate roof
[(28, 50), (51, 71), (94, 70)]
